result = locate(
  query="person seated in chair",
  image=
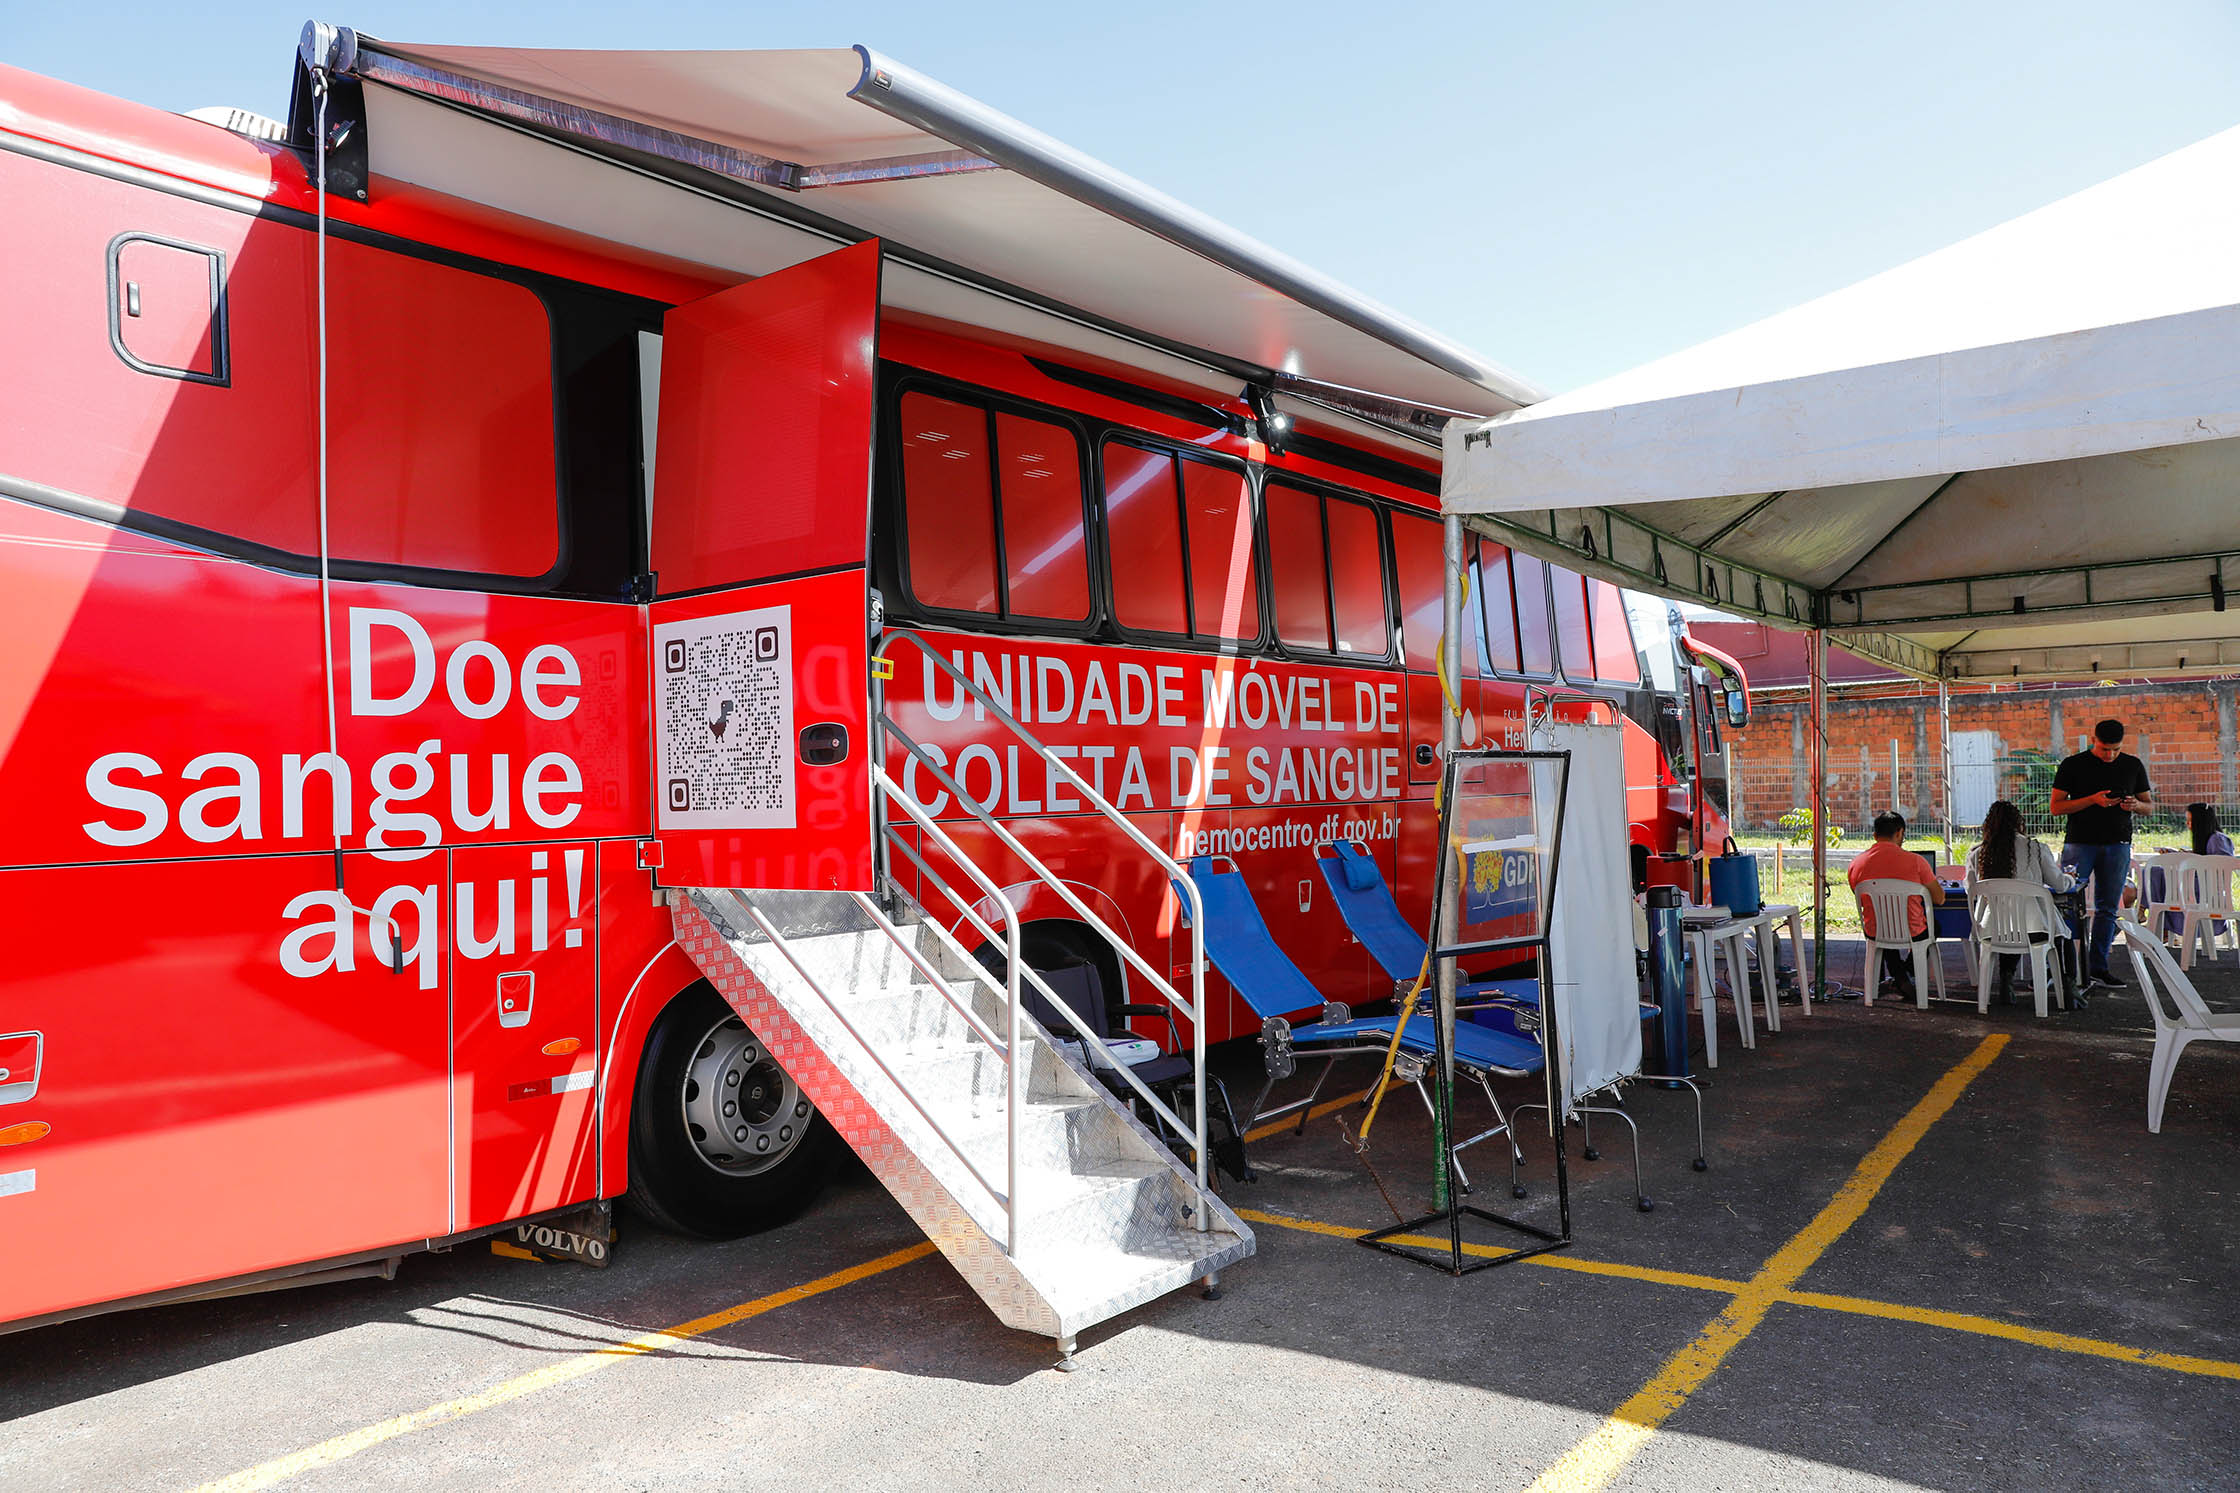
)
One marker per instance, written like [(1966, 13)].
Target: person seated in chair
[(2007, 853), (2207, 838), (1888, 858)]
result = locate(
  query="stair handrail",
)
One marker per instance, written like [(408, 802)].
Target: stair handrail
[(1177, 878), (1089, 1036), (1008, 1199), (1034, 863)]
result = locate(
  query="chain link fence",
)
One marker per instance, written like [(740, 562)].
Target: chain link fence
[(1862, 783)]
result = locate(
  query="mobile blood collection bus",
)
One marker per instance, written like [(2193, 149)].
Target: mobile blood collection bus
[(569, 616)]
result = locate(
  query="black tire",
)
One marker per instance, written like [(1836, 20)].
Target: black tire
[(674, 1184)]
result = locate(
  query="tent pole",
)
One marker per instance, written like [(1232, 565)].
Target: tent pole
[(1449, 915), (1816, 743), (1944, 762)]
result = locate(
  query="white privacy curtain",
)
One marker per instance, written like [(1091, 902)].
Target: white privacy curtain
[(1590, 946)]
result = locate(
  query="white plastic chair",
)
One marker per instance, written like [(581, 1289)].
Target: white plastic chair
[(2158, 891), (2192, 1021), (2205, 898), (1890, 900), (2007, 915)]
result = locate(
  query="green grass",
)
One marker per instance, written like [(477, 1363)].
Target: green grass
[(1796, 881)]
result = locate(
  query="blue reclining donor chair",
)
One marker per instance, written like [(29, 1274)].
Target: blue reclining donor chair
[(1240, 946), (1366, 903)]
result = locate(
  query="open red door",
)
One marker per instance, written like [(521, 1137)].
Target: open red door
[(760, 623)]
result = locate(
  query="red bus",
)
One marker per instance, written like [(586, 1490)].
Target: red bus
[(339, 605)]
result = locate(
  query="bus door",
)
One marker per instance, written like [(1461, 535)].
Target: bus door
[(760, 625)]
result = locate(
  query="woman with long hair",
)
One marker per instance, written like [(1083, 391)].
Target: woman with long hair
[(2209, 837), (2005, 853)]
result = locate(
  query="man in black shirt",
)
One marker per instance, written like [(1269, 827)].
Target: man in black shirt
[(2099, 790)]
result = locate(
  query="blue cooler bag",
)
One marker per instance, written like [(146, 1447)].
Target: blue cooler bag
[(1734, 881)]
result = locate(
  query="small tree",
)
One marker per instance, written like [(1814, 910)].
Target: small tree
[(1797, 823)]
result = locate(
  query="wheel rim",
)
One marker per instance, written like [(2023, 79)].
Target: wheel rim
[(743, 1113)]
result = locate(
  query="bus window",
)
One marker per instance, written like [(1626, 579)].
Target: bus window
[(1419, 556), (1181, 536), (1143, 520), (948, 513), (1573, 642), (1045, 550), (441, 397), (1615, 659), (1356, 578), (1652, 631), (441, 402), (1498, 616), (1224, 581), (1003, 537), (1296, 581), (1535, 653), (1326, 573)]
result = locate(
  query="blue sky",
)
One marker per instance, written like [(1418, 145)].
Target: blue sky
[(1567, 188)]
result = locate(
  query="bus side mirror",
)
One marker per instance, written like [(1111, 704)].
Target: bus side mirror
[(1738, 707)]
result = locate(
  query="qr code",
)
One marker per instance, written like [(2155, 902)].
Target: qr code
[(724, 716)]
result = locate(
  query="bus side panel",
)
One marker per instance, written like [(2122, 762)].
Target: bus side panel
[(530, 709), (640, 968), (146, 683), (1645, 777), (212, 1110), (129, 658), (524, 1028)]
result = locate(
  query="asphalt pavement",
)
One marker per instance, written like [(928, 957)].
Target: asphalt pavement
[(2018, 1289)]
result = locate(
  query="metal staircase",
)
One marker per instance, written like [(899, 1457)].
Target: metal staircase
[(1057, 1204)]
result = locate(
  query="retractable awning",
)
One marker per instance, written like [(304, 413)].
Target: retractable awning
[(752, 161), (2016, 457)]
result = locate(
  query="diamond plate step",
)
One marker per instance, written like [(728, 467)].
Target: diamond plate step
[(1107, 1219)]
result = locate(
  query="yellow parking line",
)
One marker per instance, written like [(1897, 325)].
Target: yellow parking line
[(1327, 1107), (329, 1452), (1487, 1251), (1594, 1462), (2036, 1337), (1858, 1306)]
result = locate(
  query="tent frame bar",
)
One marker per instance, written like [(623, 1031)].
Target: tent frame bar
[(2211, 591), (1606, 560), (1658, 577), (1624, 539), (2095, 660)]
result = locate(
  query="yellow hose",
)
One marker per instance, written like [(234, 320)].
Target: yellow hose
[(1438, 793)]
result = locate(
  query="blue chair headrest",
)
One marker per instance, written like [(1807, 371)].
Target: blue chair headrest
[(1361, 873)]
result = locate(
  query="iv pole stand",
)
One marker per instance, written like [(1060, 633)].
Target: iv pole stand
[(1406, 1239)]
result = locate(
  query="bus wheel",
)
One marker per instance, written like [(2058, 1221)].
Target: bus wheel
[(722, 1140)]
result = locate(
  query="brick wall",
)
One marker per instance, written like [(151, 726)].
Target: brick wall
[(2184, 730)]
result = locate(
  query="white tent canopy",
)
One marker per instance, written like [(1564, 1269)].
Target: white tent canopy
[(2016, 457), (748, 162)]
